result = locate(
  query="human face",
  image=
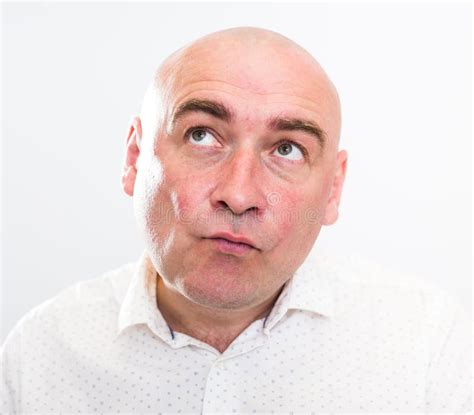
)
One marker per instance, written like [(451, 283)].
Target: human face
[(238, 155)]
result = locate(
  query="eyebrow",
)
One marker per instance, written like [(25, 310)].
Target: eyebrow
[(296, 124), (220, 111), (213, 108)]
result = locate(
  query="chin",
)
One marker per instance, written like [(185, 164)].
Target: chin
[(223, 294)]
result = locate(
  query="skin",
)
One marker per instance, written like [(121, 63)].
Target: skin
[(235, 177)]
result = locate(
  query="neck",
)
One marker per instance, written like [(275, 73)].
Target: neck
[(215, 326)]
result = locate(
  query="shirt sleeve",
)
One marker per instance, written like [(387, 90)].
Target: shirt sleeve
[(449, 382), (10, 367)]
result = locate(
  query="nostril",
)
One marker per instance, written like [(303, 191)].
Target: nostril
[(224, 206)]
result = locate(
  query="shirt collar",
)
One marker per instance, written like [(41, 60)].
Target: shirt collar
[(314, 285), (309, 289), (139, 304)]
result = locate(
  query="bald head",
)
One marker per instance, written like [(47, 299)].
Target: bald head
[(247, 60), (243, 128), (237, 43)]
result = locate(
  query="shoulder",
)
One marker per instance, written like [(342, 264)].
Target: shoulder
[(361, 284), (99, 295)]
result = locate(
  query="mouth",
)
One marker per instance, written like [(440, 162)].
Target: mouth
[(232, 244)]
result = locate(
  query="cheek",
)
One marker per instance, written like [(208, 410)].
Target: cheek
[(149, 204), (297, 213), (297, 222), (188, 197)]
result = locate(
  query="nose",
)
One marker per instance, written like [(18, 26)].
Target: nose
[(240, 184)]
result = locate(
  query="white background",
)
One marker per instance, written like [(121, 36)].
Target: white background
[(74, 74)]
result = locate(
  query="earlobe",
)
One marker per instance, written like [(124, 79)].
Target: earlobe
[(332, 208), (129, 172), (128, 180)]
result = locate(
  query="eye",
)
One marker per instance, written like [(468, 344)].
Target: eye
[(201, 137), (289, 151)]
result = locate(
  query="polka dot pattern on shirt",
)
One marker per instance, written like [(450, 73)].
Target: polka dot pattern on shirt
[(344, 336)]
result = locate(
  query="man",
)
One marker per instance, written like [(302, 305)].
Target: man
[(234, 167)]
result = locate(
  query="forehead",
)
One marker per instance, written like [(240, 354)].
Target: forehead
[(244, 104), (254, 83)]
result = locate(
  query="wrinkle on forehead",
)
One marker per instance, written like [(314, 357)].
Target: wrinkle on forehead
[(259, 61)]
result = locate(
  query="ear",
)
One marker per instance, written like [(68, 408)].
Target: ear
[(332, 207), (129, 172)]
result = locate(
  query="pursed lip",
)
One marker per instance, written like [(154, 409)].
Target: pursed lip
[(233, 238)]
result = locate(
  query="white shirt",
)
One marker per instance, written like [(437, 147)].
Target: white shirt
[(342, 337)]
